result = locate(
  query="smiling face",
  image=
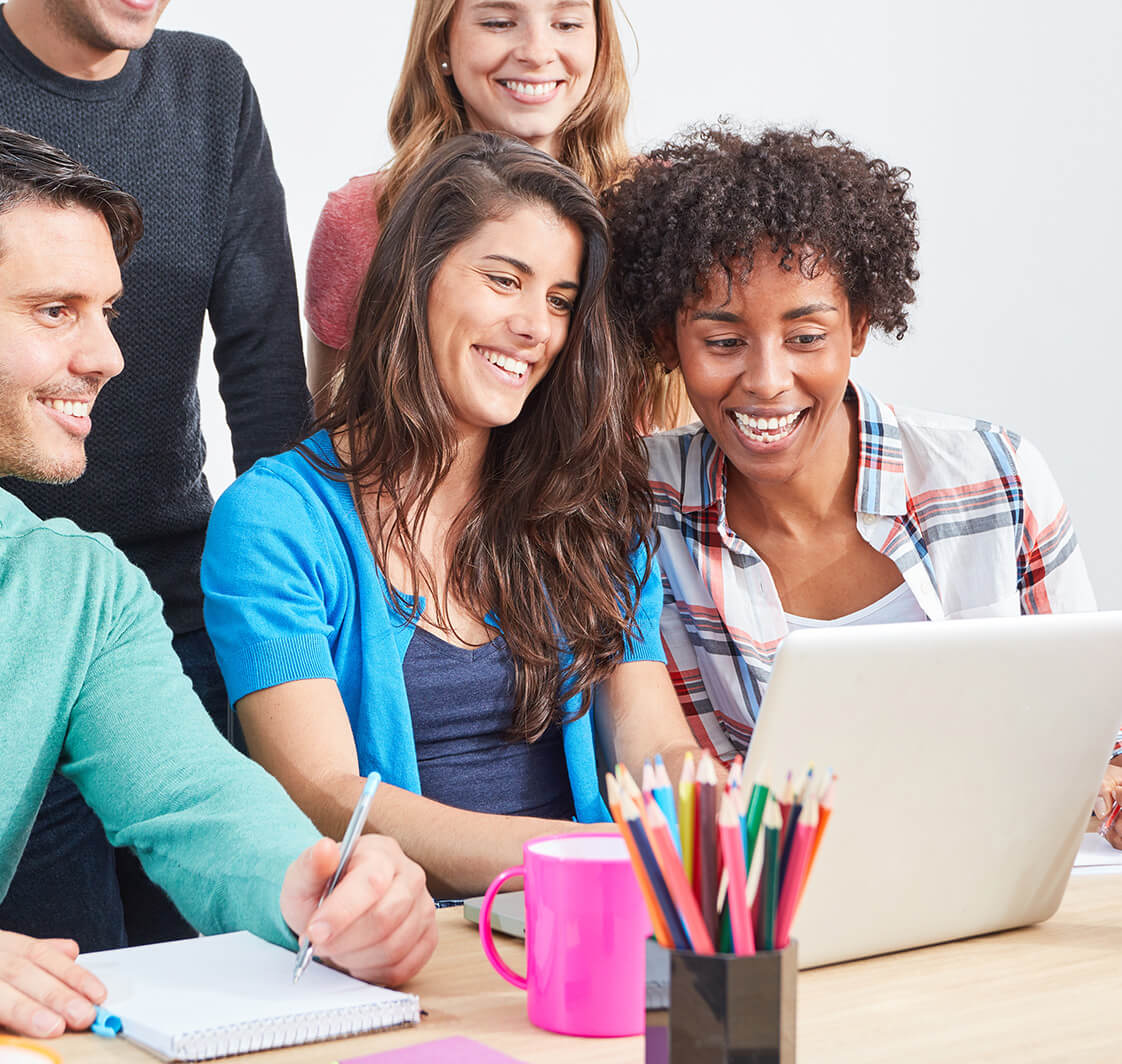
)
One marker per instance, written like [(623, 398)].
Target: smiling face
[(58, 281), (499, 311), (522, 66), (766, 366)]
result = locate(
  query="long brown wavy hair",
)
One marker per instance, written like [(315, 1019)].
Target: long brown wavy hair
[(427, 109), (563, 501)]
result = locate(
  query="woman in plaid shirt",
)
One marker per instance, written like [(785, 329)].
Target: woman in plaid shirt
[(757, 268)]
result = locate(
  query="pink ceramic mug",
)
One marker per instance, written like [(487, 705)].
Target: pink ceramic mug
[(586, 930)]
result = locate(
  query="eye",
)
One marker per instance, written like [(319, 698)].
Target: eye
[(807, 339), (568, 27), (725, 343), (503, 280), (111, 313), (497, 23), (566, 306), (55, 312)]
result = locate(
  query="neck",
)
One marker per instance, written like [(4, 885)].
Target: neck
[(52, 44), (813, 496)]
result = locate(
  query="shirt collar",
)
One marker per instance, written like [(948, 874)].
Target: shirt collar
[(880, 468)]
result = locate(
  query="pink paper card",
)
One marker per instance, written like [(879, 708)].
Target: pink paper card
[(461, 1050)]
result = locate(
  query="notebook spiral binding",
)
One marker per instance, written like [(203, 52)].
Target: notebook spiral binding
[(294, 1030)]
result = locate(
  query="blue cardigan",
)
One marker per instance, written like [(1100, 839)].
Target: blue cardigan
[(292, 593)]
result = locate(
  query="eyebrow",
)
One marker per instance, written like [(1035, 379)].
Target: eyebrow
[(516, 5), (528, 270), (789, 315), (47, 295), (810, 308)]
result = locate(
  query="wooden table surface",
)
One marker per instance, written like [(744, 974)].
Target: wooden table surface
[(1044, 993)]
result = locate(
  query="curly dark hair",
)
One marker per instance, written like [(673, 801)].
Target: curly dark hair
[(709, 198)]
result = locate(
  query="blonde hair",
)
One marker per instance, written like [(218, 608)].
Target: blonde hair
[(427, 110)]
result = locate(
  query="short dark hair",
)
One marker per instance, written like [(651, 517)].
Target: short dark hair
[(32, 171), (711, 197)]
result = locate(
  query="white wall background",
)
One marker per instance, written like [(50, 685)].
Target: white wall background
[(1006, 112)]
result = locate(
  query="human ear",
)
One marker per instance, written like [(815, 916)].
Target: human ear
[(860, 327)]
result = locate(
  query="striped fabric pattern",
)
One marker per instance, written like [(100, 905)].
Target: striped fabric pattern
[(967, 510)]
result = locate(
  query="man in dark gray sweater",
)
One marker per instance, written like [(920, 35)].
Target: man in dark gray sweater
[(173, 119)]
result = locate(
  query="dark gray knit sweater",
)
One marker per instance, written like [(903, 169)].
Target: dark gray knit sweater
[(180, 128)]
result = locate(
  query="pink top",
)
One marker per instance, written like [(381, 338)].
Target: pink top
[(341, 250)]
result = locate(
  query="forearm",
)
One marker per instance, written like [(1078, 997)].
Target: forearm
[(460, 851)]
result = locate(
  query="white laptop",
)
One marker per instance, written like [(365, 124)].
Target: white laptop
[(968, 755)]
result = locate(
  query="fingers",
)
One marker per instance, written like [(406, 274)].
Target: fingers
[(42, 990), (379, 922), (304, 882), (396, 959), (379, 886)]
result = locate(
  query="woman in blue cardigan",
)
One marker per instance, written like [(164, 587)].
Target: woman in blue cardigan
[(452, 581)]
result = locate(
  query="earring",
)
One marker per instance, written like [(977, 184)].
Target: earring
[(445, 67)]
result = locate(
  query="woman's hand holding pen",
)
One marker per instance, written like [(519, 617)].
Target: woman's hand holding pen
[(378, 924), (1110, 793), (42, 990)]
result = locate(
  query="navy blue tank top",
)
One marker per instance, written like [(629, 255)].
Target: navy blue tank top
[(461, 705)]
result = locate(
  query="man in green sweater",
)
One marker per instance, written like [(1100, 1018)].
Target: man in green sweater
[(89, 681)]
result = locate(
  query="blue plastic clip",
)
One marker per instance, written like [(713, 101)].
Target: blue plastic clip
[(106, 1024)]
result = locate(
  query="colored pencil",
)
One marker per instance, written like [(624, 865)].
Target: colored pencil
[(735, 777), (786, 799), (825, 808), (664, 795), (801, 793), (732, 846), (754, 811), (802, 839), (680, 893), (628, 786), (801, 843), (687, 806), (658, 920), (755, 871), (707, 842), (769, 885), (634, 824)]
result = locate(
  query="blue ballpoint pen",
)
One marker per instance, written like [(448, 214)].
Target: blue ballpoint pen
[(346, 848)]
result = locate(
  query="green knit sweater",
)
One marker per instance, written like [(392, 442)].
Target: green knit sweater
[(89, 682)]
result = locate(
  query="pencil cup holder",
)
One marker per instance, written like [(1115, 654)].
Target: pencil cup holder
[(721, 1009)]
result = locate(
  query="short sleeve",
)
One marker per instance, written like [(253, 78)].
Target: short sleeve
[(341, 250), (267, 576), (645, 642)]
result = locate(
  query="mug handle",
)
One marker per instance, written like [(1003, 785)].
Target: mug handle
[(485, 934)]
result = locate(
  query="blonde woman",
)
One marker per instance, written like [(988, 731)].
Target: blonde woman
[(550, 72)]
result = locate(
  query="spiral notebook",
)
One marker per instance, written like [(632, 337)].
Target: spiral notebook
[(201, 998)]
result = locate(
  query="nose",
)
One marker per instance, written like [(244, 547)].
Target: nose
[(531, 323), (534, 48), (98, 353), (767, 372)]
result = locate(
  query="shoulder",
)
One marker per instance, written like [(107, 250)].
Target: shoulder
[(956, 440), (291, 479), (680, 465), (351, 212), (202, 52), (55, 566)]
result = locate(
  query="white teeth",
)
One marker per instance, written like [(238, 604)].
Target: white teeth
[(767, 428), (531, 88), (66, 406), (512, 365)]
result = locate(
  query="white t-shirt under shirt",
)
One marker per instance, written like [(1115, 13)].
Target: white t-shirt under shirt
[(899, 605)]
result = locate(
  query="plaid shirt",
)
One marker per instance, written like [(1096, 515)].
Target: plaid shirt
[(967, 510)]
